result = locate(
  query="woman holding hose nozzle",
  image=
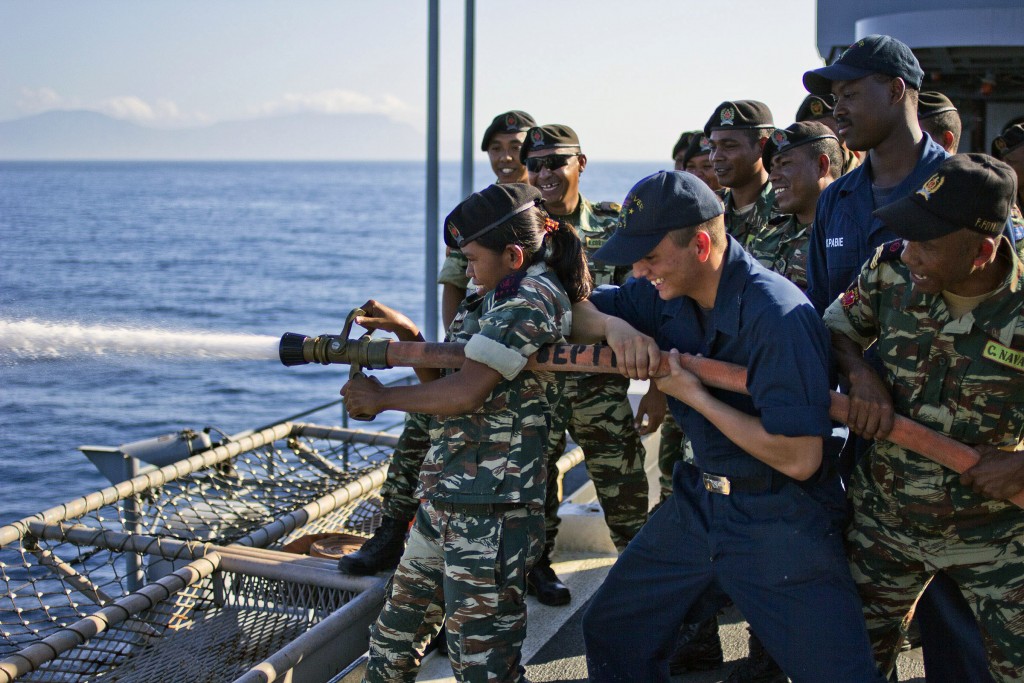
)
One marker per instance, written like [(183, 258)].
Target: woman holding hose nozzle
[(481, 526)]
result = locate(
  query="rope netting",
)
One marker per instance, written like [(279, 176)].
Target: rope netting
[(118, 585)]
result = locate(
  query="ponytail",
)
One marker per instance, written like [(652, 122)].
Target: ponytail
[(566, 257), (543, 239)]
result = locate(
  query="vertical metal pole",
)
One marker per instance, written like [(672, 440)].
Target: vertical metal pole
[(430, 308), (467, 97)]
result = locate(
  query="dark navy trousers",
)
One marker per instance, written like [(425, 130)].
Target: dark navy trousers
[(780, 558)]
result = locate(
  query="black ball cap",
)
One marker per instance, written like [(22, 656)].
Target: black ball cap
[(739, 114), (874, 54), (931, 103), (814, 108), (555, 136), (797, 134), (657, 205), (486, 210), (514, 121), (972, 191)]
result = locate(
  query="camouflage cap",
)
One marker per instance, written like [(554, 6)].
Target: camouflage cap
[(1011, 139), (799, 133), (814, 108), (969, 191), (874, 54), (554, 136), (483, 211), (657, 205), (683, 142), (739, 114), (699, 146), (931, 103), (514, 121)]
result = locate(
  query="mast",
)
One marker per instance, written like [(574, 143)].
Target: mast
[(467, 99), (430, 312)]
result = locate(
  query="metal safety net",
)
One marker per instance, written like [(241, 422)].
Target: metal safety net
[(178, 573)]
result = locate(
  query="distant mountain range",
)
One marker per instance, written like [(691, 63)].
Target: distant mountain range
[(75, 135)]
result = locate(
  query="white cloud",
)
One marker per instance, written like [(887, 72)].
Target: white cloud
[(125, 107), (335, 101)]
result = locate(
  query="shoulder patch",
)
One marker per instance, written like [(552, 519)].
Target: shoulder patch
[(850, 297), (890, 251), (607, 207)]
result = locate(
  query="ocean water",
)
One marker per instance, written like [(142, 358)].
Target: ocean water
[(139, 299)]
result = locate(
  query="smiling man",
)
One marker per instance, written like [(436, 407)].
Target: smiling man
[(876, 83), (801, 160), (755, 514), (595, 408), (945, 309), (737, 132)]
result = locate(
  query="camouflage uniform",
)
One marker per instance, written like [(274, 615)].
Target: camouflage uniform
[(782, 246), (963, 378), (850, 160), (481, 527), (453, 270), (596, 411), (745, 228), (674, 447)]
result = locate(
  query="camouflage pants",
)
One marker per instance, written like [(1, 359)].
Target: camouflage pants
[(474, 566), (675, 447), (901, 536), (399, 489), (596, 411)]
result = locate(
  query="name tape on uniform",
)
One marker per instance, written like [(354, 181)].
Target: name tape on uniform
[(1004, 355)]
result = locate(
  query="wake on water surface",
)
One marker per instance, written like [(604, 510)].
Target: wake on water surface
[(27, 340)]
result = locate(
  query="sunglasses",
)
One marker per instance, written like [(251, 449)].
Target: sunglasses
[(550, 162)]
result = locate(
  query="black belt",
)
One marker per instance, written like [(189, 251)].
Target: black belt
[(477, 508), (717, 483)]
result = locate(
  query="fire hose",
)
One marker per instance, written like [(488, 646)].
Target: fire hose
[(382, 353)]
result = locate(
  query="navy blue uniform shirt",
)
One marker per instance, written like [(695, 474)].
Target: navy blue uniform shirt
[(761, 321), (845, 234)]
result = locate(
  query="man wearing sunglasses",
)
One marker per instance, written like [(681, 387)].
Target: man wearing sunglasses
[(594, 408)]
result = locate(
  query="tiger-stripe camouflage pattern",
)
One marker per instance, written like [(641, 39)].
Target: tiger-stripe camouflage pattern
[(474, 564), (596, 410), (398, 493), (453, 270), (747, 226), (481, 528), (398, 499), (963, 378), (781, 245), (490, 456)]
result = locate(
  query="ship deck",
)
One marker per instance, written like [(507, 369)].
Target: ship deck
[(554, 651)]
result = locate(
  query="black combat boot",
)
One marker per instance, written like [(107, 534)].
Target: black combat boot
[(758, 667), (382, 551), (543, 582), (698, 648)]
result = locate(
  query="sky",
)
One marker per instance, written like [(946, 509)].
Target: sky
[(628, 77)]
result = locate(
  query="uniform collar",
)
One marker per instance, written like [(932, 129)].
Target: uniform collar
[(765, 198), (735, 275), (930, 151), (997, 316)]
